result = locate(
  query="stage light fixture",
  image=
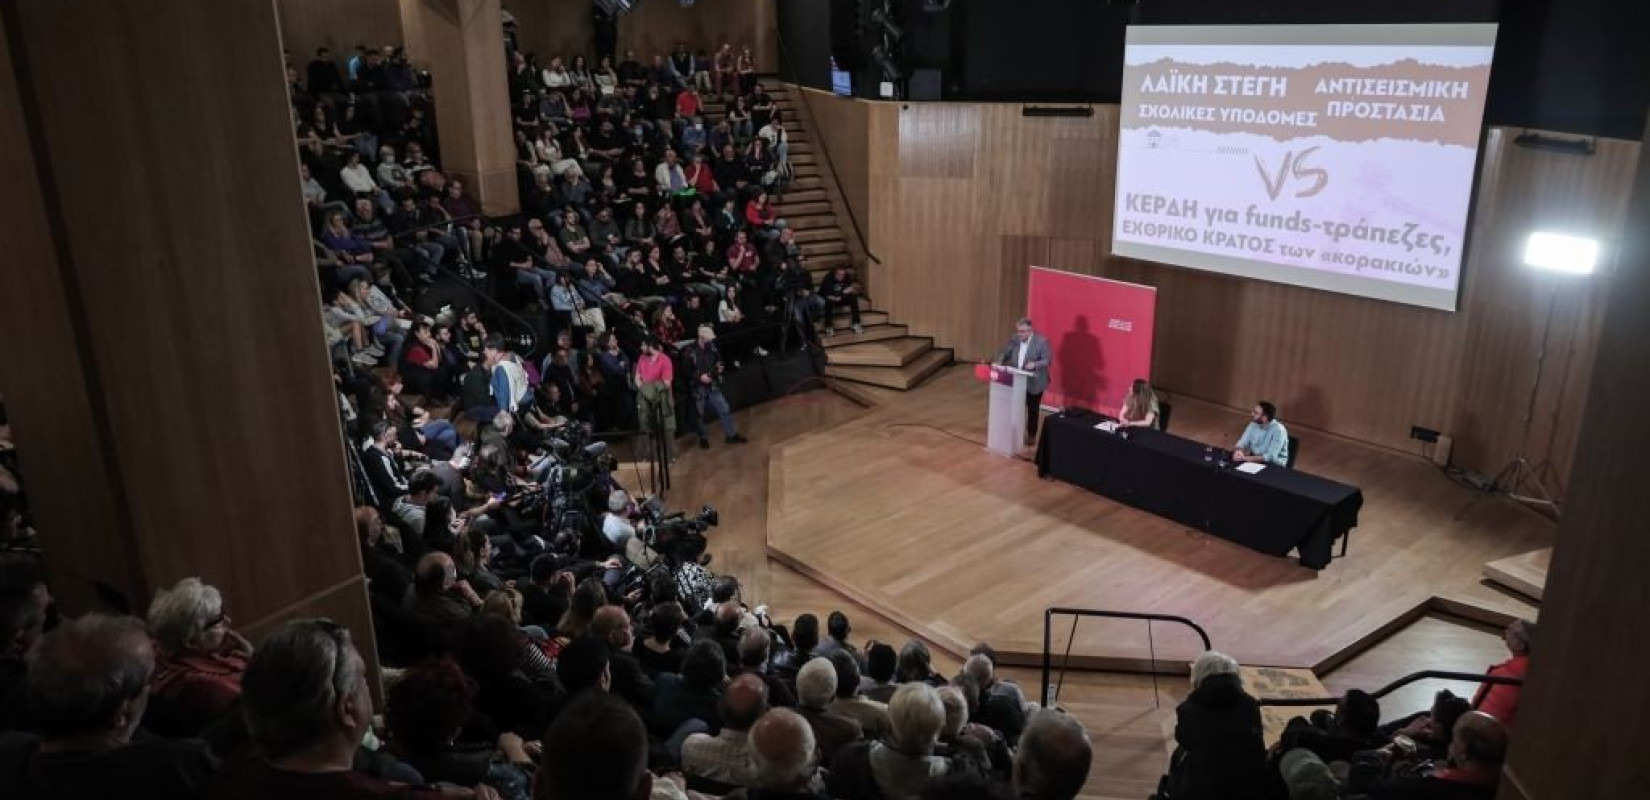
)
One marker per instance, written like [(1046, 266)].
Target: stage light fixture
[(888, 26), (1562, 253)]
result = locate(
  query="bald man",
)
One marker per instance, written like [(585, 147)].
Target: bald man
[(611, 625), (725, 759), (437, 595), (782, 755), (1052, 762)]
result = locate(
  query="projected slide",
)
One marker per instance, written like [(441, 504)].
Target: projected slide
[(1336, 157)]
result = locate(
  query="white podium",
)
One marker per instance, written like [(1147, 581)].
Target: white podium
[(1006, 425)]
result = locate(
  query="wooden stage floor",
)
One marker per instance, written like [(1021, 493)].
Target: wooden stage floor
[(901, 509)]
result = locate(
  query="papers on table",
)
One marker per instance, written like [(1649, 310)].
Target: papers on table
[(1250, 467), (1108, 426)]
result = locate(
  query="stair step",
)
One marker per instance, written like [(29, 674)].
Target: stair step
[(825, 248), (903, 377), (802, 183), (820, 237), (869, 319), (813, 223), (873, 333), (891, 352), (800, 161), (812, 204)]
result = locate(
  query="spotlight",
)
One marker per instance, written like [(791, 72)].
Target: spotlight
[(888, 26), (1559, 252)]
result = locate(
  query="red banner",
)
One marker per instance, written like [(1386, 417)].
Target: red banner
[(1101, 333)]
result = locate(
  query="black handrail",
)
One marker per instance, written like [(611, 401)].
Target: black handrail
[(1077, 613), (825, 150), (1431, 674)]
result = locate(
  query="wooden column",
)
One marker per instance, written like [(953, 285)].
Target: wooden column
[(1581, 725), (161, 348), (464, 42)]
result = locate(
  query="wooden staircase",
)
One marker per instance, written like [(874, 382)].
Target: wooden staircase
[(886, 353)]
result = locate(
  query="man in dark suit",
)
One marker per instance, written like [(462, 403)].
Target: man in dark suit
[(1030, 351)]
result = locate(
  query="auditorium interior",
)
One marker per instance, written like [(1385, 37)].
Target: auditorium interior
[(1169, 399)]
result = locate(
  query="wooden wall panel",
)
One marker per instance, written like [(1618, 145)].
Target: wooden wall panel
[(563, 27), (1587, 657), (185, 255), (968, 182), (339, 25), (844, 132), (48, 391)]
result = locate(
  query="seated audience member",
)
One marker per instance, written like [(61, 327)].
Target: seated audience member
[(841, 290), (899, 766), (437, 595), (722, 762), (915, 665), (307, 705), (583, 667), (24, 603), (1335, 737), (386, 573), (1430, 730), (199, 659), (782, 756), (693, 695), (978, 742), (1471, 771), (1265, 440), (1052, 760), (412, 509), (611, 626), (815, 689), (596, 750), (426, 710), (754, 648), (836, 637), (878, 683), (871, 715), (1219, 752), (1139, 409), (1002, 704), (665, 644), (1501, 700), (86, 688), (804, 638), (494, 653)]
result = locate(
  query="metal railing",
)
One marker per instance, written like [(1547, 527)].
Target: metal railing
[(1431, 674), (1049, 697), (825, 151)]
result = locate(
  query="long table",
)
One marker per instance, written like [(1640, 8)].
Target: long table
[(1274, 511)]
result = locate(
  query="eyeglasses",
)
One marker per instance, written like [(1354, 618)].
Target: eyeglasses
[(340, 646), (220, 619)]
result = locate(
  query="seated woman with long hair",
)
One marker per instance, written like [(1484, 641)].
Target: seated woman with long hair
[(1139, 409)]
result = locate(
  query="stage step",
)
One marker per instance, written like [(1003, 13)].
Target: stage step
[(891, 352), (868, 319), (802, 197), (813, 223), (1525, 573), (903, 378), (820, 236), (873, 333)]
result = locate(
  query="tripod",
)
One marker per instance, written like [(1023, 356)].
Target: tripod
[(1519, 472)]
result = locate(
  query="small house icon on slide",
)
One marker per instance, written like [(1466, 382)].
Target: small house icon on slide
[(1154, 139)]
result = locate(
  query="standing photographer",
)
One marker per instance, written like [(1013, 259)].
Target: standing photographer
[(705, 370)]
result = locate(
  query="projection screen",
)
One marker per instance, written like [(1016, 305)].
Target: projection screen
[(1335, 157)]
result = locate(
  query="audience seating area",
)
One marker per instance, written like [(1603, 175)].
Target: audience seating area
[(543, 630)]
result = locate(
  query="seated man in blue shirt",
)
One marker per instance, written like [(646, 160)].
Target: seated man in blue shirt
[(1265, 440)]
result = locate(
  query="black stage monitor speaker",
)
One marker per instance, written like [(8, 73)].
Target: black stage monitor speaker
[(925, 84)]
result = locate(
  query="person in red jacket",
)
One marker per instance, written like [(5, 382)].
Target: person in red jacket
[(199, 659), (1501, 700)]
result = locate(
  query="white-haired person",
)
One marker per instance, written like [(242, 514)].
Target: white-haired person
[(900, 765), (1219, 749), (199, 659), (815, 689)]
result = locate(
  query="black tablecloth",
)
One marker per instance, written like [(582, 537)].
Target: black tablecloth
[(1273, 511)]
